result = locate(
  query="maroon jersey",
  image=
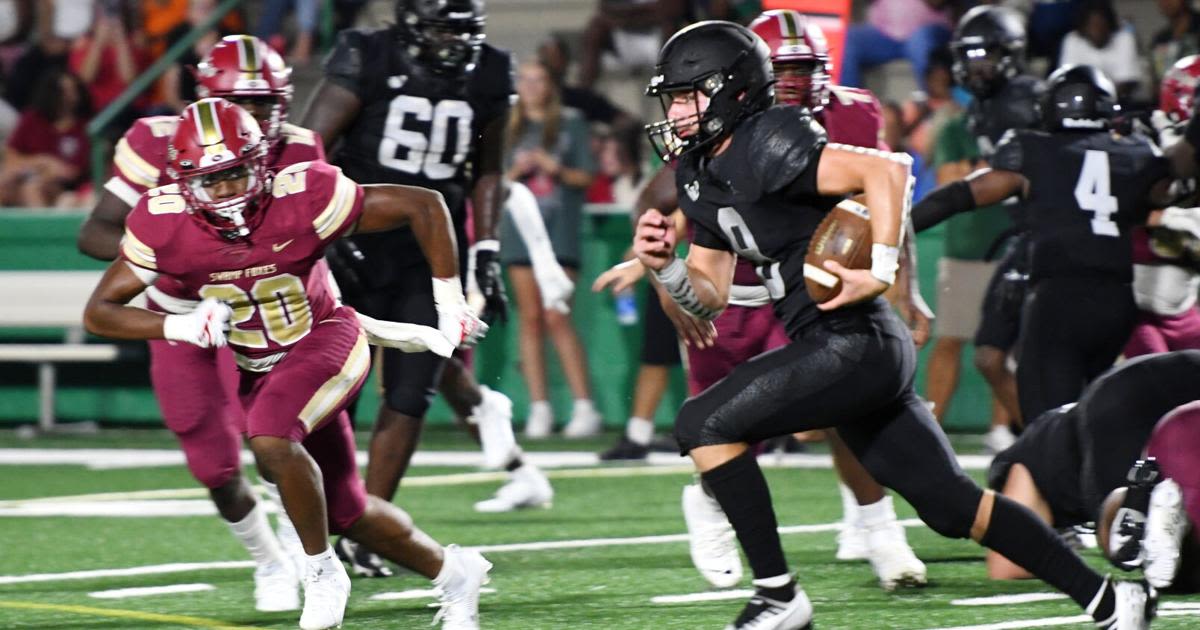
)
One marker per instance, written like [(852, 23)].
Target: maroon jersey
[(268, 279), (853, 117), (140, 159)]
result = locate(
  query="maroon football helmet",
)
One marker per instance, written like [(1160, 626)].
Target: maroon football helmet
[(800, 56), (244, 70)]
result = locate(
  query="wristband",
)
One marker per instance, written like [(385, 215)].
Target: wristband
[(447, 291), (885, 260), (486, 245), (179, 328)]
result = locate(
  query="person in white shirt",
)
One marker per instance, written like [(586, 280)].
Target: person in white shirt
[(1100, 40)]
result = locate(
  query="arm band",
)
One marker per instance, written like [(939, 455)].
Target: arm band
[(885, 260), (942, 204), (674, 278)]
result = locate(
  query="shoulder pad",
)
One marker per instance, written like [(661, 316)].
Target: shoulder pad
[(332, 200), (782, 141), (300, 144), (151, 225), (1008, 155), (140, 155), (497, 70), (347, 59)]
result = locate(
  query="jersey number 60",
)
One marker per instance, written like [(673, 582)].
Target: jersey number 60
[(425, 155)]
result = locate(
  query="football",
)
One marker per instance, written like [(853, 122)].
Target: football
[(844, 235)]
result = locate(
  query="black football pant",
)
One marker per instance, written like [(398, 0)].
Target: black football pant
[(1000, 319), (1119, 411), (852, 370), (1073, 329)]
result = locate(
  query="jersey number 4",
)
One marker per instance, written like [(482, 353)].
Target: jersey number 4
[(426, 155), (1093, 193)]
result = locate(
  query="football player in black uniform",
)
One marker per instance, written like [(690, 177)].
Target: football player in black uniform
[(989, 51), (1072, 458), (756, 180), (1080, 308), (425, 103)]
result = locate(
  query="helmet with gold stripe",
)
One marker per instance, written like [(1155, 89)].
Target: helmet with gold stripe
[(800, 56), (246, 71), (219, 157)]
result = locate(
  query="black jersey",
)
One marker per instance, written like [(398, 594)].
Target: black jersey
[(415, 128), (1086, 191), (1013, 107), (1049, 448), (758, 199)]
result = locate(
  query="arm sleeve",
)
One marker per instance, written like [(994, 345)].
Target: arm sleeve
[(335, 200), (345, 64)]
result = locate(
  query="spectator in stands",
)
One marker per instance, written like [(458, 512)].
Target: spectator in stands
[(16, 24), (1101, 40), (1178, 39), (108, 58), (619, 174), (270, 27), (626, 34), (550, 154), (555, 55), (47, 156), (1048, 21), (48, 54), (179, 86), (740, 11), (896, 29)]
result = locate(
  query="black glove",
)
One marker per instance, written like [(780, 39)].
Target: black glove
[(486, 259)]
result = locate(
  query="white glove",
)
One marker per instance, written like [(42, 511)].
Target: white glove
[(1186, 220), (555, 286), (205, 327), (456, 321), (405, 337)]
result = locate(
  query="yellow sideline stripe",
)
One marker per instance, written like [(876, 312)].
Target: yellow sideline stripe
[(118, 613)]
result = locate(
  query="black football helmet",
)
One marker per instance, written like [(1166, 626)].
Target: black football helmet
[(442, 35), (726, 62), (989, 49), (1079, 98)]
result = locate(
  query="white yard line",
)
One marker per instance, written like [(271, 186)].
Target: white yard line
[(708, 596), (1005, 600), (180, 567), (146, 591), (420, 593)]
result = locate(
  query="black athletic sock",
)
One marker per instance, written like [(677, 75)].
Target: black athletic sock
[(739, 486), (514, 464), (1019, 535)]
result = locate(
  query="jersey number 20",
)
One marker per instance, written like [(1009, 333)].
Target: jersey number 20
[(425, 155), (1093, 193)]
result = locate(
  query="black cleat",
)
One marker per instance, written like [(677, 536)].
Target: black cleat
[(363, 562), (763, 612), (625, 449)]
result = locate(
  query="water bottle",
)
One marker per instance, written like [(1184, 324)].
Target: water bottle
[(627, 311)]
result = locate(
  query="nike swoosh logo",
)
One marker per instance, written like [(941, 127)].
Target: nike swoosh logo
[(278, 247)]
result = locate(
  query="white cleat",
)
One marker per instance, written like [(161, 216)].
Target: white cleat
[(711, 539), (326, 590), (276, 588), (892, 559), (764, 613), (1136, 606), (493, 416), (460, 592), (998, 439), (540, 421), (527, 488), (1166, 525), (852, 543), (585, 421)]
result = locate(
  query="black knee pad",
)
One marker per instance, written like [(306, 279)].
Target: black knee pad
[(408, 400), (949, 509), (689, 424)]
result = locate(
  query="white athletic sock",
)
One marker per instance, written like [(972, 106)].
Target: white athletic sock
[(542, 406), (849, 505), (774, 582), (639, 430), (879, 513), (583, 405), (450, 570), (324, 560), (284, 528), (254, 532)]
